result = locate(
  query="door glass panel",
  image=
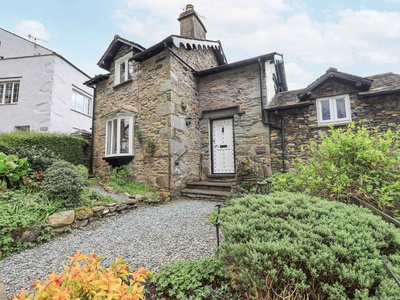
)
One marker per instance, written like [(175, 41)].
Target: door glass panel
[(124, 145), (325, 110), (341, 108)]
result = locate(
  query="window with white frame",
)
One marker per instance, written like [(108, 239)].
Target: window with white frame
[(123, 69), (119, 136), (9, 92), (334, 110), (81, 102)]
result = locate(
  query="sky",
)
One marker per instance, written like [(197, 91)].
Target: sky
[(360, 37)]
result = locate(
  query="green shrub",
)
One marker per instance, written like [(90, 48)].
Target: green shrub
[(200, 279), (67, 147), (19, 210), (350, 162), (83, 172), (13, 170), (39, 158), (93, 197), (288, 243), (63, 182), (122, 180)]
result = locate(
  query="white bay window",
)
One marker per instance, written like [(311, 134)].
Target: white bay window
[(119, 135)]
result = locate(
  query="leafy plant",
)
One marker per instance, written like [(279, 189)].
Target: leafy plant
[(121, 180), (18, 211), (302, 247), (83, 172), (192, 279), (13, 170), (86, 278), (63, 182), (39, 157), (92, 197), (350, 162)]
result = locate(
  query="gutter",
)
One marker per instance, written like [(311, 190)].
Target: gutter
[(267, 122), (91, 164)]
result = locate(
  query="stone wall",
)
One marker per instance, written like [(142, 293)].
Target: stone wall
[(238, 87), (149, 93), (185, 130), (301, 125), (164, 93)]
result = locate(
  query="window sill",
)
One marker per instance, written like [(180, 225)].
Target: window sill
[(344, 123), (118, 161), (122, 83), (9, 103)]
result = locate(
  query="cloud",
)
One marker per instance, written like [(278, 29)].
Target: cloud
[(34, 28), (346, 38), (300, 78)]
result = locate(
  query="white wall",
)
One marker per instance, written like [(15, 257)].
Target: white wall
[(12, 45), (45, 95), (63, 118), (34, 103)]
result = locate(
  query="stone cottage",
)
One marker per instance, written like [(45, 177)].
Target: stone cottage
[(179, 115), (336, 98)]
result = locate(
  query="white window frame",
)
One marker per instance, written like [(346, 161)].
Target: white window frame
[(334, 120), (124, 60), (109, 140), (87, 102), (3, 86)]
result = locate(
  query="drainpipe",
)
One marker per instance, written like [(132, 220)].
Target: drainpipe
[(267, 122), (91, 164)]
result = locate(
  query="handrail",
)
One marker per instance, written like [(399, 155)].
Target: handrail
[(391, 220), (381, 213)]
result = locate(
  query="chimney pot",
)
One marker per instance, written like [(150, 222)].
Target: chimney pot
[(189, 7)]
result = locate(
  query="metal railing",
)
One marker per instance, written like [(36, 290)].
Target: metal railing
[(390, 219)]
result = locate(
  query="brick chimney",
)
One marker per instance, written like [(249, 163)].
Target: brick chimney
[(191, 25)]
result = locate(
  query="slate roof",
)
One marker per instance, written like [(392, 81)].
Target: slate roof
[(386, 83), (117, 42), (370, 86)]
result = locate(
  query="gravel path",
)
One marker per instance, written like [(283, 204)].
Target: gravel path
[(148, 237)]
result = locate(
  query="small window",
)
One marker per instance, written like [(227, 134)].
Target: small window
[(119, 133), (26, 128), (123, 69), (81, 103), (9, 92), (334, 110)]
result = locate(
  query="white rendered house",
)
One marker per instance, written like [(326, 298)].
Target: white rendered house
[(41, 91)]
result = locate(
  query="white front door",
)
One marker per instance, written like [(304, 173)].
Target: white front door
[(223, 158)]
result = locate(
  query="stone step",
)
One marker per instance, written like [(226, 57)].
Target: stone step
[(205, 194), (211, 185), (222, 177)]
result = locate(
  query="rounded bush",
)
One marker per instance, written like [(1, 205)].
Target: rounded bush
[(293, 244), (39, 158), (63, 182)]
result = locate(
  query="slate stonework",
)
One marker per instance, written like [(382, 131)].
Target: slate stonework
[(301, 125), (238, 87)]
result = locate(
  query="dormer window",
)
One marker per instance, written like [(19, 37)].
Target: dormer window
[(334, 110), (123, 69)]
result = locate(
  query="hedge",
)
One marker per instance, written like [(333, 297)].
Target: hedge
[(293, 244), (67, 147)]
